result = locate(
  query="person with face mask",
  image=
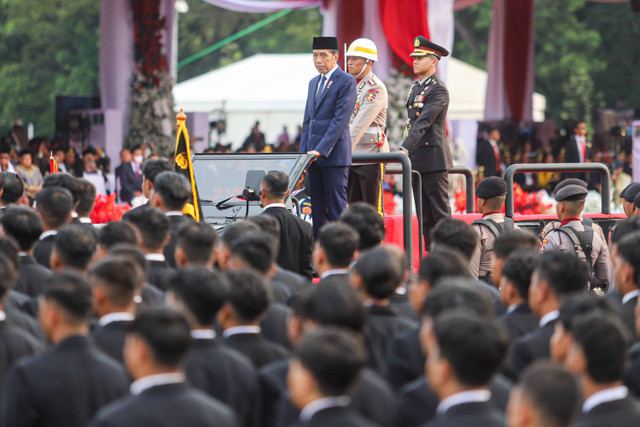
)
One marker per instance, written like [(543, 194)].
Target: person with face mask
[(130, 175)]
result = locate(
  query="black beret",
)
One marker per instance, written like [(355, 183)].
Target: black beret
[(325, 43), (423, 47), (631, 192), (491, 187), (570, 181), (636, 201), (571, 193)]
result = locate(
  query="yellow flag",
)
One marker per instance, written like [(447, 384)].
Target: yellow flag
[(184, 166)]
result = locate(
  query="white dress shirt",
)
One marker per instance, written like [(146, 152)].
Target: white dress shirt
[(609, 395), (318, 405), (146, 383), (463, 397)]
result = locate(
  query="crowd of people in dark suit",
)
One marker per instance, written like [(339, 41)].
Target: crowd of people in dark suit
[(159, 320)]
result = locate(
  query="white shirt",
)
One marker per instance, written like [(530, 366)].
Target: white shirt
[(146, 383), (550, 316), (630, 295), (275, 205), (334, 271), (115, 317), (3, 316), (463, 397), (609, 395), (512, 308), (155, 257), (579, 142), (318, 405), (248, 329), (174, 213), (203, 334), (84, 220), (48, 233)]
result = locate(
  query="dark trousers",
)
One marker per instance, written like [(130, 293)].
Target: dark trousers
[(435, 201), (365, 185), (328, 190)]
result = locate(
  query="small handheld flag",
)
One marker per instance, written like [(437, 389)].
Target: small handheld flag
[(184, 166), (53, 165)]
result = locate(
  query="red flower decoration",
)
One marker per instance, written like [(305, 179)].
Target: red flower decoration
[(106, 210)]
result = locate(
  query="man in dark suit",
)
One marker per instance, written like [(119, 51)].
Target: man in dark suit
[(13, 189), (73, 249), (508, 243), (68, 385), (296, 235), (195, 245), (24, 225), (626, 272), (171, 192), (115, 281), (156, 345), (325, 365), (375, 276), (129, 175), (335, 250), (151, 168), (70, 183), (464, 351), (86, 203), (577, 149), (557, 275), (217, 369), (54, 205), (598, 355), (240, 316), (426, 139), (325, 132), (514, 293), (369, 224), (547, 395), (154, 227), (488, 154)]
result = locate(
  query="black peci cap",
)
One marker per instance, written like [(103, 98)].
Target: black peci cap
[(631, 192), (325, 43), (423, 47), (636, 201), (491, 187), (571, 192)]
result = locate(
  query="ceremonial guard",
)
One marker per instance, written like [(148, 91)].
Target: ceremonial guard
[(491, 194), (367, 124), (575, 237), (425, 133)]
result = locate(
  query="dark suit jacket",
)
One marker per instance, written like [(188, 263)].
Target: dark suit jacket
[(110, 338), (256, 347), (279, 292), (274, 324), (381, 327), (296, 242), (371, 397), (293, 281), (31, 276), (486, 157), (519, 322), (338, 279), (64, 387), (526, 349), (176, 222), (126, 214), (427, 142), (620, 413), (225, 374), (42, 251), (405, 360), (167, 405), (470, 414), (629, 316), (129, 183), (632, 373), (16, 307), (325, 127), (151, 297), (400, 305), (336, 416), (160, 273)]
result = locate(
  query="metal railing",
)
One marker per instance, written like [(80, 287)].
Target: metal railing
[(469, 185), (558, 167)]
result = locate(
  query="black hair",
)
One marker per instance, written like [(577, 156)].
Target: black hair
[(579, 304), (604, 341), (197, 241), (8, 275), (564, 272), (173, 189), (237, 230), (72, 294), (151, 168), (455, 293), (153, 224), (54, 205), (512, 240), (442, 261), (13, 187), (120, 276), (166, 333), (553, 391), (23, 224), (202, 291), (248, 295), (9, 249), (340, 242), (518, 269), (132, 252), (380, 272), (116, 233), (474, 346), (629, 250), (367, 222), (624, 228), (65, 181), (334, 358), (75, 244), (270, 225), (456, 234), (256, 250), (87, 197), (331, 304), (277, 183)]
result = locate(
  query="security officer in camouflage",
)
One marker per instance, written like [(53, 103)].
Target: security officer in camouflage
[(425, 133), (491, 193), (574, 236), (367, 124)]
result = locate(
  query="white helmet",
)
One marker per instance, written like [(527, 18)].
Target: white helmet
[(363, 48)]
